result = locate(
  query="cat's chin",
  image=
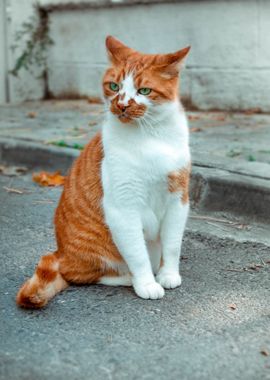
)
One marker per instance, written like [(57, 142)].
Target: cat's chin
[(125, 119)]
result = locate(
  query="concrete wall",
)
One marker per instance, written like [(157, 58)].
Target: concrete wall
[(3, 93), (228, 67), (26, 85)]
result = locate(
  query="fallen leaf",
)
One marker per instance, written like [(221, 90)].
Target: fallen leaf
[(92, 123), (220, 118), (94, 100), (252, 111), (49, 179), (255, 266), (12, 171), (195, 129), (194, 117), (232, 306), (32, 115), (264, 352), (242, 226)]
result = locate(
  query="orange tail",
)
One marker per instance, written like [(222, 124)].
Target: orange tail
[(43, 285)]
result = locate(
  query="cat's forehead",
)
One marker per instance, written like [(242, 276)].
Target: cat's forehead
[(128, 85), (130, 68)]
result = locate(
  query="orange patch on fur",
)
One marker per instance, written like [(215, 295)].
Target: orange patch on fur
[(179, 181)]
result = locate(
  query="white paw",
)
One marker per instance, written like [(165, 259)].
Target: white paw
[(169, 280), (151, 291)]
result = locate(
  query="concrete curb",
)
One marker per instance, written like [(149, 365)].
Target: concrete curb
[(212, 189), (31, 154), (251, 169)]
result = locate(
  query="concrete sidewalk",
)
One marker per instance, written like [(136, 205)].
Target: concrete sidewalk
[(238, 142), (230, 152)]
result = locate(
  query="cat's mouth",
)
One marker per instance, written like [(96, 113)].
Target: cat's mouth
[(128, 113), (125, 118)]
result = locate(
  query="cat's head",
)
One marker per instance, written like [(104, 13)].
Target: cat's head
[(136, 83)]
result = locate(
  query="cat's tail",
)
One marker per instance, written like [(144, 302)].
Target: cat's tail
[(43, 285)]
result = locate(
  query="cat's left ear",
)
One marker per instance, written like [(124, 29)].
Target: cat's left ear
[(117, 51), (170, 64)]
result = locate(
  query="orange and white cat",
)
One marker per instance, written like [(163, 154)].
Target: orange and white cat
[(123, 210)]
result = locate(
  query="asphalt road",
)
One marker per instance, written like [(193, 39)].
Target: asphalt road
[(213, 327)]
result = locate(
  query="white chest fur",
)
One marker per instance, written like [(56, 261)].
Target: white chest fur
[(137, 162)]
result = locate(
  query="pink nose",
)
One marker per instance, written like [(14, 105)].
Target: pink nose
[(121, 106)]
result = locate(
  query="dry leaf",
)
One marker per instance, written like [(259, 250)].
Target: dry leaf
[(194, 117), (49, 179), (252, 111), (220, 118), (12, 171), (265, 352), (92, 123), (232, 306), (255, 266), (94, 100), (195, 129), (32, 115)]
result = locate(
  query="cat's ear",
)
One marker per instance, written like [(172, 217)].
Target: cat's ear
[(117, 51), (170, 64)]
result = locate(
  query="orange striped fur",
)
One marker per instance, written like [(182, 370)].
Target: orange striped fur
[(83, 239)]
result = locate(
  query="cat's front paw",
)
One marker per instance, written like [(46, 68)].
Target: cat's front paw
[(169, 280), (152, 291)]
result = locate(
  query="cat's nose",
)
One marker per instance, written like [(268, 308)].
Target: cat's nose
[(121, 106)]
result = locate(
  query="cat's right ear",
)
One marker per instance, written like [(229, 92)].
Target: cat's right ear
[(117, 51)]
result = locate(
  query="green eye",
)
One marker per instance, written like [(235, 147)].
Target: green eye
[(144, 91), (114, 86)]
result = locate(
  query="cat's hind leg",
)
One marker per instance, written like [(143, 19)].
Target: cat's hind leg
[(124, 280)]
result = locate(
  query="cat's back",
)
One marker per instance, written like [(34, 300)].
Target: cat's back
[(79, 205)]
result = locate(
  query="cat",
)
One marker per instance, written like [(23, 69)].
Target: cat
[(121, 216)]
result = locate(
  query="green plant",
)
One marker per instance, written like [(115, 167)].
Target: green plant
[(35, 35), (63, 144), (251, 158)]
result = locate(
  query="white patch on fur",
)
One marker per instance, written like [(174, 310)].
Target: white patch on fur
[(137, 205), (116, 280), (129, 92), (121, 268)]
